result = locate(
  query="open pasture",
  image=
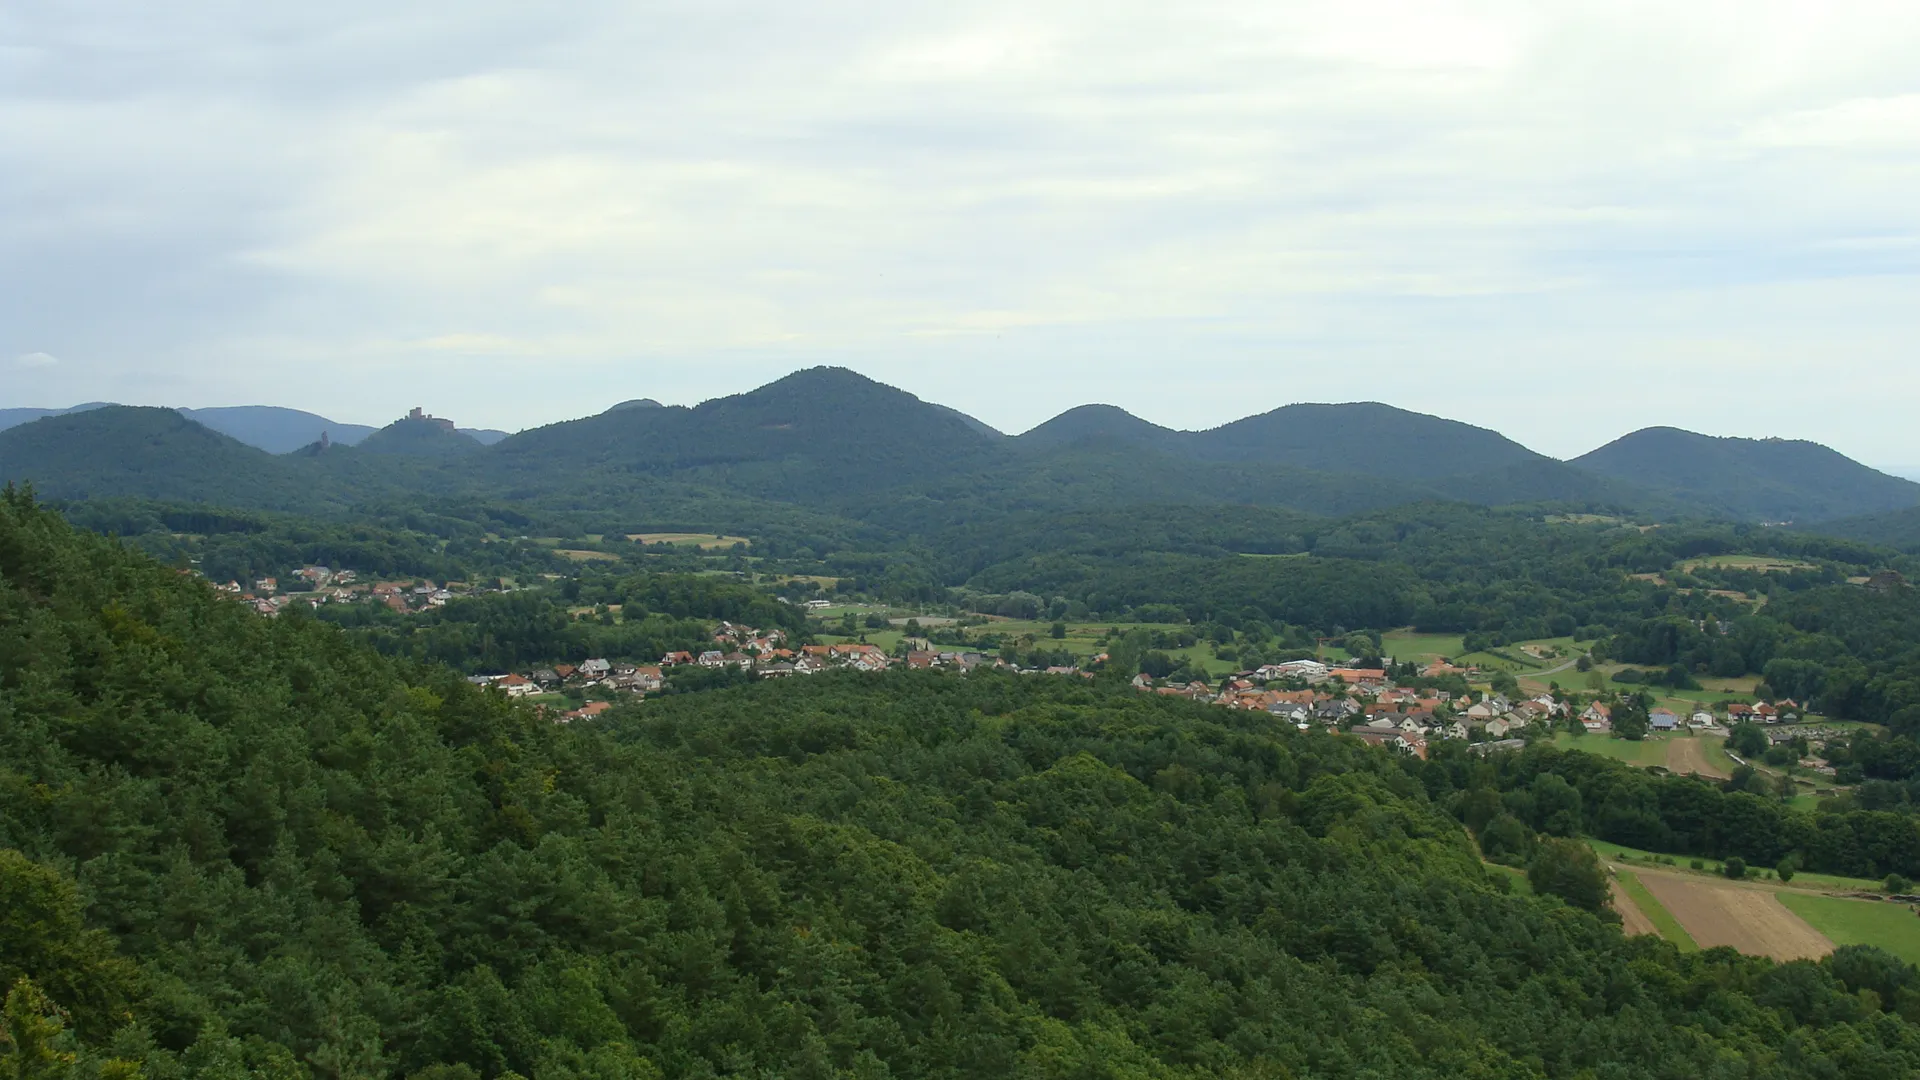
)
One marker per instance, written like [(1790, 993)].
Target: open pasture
[(1765, 564), (579, 555), (1891, 926), (1405, 645), (1651, 750), (703, 541)]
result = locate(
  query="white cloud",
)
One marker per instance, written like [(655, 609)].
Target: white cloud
[(35, 360), (1525, 215)]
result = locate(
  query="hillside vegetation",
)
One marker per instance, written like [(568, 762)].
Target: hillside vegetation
[(829, 443), (233, 845), (1765, 479)]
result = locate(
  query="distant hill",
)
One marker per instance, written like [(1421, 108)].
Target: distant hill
[(121, 450), (1763, 479), (483, 436), (268, 427), (1103, 424), (1364, 437), (421, 437), (816, 434), (834, 444), (16, 417), (274, 429)]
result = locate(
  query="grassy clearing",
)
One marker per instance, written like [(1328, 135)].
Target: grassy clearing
[(1656, 913), (887, 640), (578, 555), (1893, 927), (1763, 563), (703, 541), (1649, 751), (1405, 645), (1803, 881), (1515, 876)]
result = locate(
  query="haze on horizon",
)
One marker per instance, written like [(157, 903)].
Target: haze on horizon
[(1560, 221)]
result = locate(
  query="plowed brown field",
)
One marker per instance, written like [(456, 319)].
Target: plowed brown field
[(1748, 917), (1633, 921)]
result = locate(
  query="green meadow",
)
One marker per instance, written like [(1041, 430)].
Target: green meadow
[(1893, 927)]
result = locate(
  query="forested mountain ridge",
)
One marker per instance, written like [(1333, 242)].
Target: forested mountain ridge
[(247, 845), (833, 442), (1765, 479), (131, 451)]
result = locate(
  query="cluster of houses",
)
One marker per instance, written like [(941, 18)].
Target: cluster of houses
[(1364, 703), (322, 585), (763, 653)]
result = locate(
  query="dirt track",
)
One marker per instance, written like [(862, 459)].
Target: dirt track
[(1748, 917), (1686, 755), (1633, 921)]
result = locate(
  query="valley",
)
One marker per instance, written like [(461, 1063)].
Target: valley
[(932, 691)]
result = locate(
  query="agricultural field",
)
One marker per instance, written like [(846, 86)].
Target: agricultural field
[(1585, 519), (1641, 913), (578, 555), (703, 541), (1747, 917), (1891, 926), (1649, 751), (1803, 881), (1764, 564), (1703, 754), (1405, 645)]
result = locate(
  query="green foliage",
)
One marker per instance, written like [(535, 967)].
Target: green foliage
[(1681, 815), (1570, 870), (1756, 479), (43, 938), (1747, 740), (1735, 867), (329, 863)]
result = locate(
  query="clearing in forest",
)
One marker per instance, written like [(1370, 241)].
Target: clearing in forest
[(1694, 755), (580, 555), (1750, 918), (703, 541), (1761, 563)]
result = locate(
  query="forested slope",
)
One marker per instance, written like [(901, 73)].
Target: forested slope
[(236, 845)]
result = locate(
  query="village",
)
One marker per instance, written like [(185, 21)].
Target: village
[(1363, 702), (317, 585)]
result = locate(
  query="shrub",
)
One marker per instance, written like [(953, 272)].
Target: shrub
[(1697, 864), (1897, 884), (1735, 868)]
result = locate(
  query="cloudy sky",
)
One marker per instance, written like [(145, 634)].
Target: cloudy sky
[(1560, 220)]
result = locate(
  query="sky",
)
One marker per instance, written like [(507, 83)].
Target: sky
[(1564, 221)]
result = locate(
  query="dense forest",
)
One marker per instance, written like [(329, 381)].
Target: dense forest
[(232, 845)]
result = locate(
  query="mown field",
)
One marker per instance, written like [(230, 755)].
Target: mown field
[(1765, 564), (703, 541), (1893, 927)]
